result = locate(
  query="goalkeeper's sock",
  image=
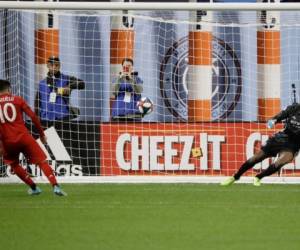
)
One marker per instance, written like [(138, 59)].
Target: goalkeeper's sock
[(246, 166), (47, 170), (269, 171), (23, 175)]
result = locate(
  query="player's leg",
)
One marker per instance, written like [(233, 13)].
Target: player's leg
[(283, 158), (256, 158), (35, 155), (24, 176), (49, 173), (11, 152), (283, 145)]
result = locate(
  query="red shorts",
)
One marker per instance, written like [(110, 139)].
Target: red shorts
[(26, 145)]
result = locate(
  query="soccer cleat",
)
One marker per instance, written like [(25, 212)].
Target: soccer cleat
[(35, 191), (58, 191), (256, 182), (228, 181)]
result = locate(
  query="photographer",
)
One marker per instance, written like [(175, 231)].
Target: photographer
[(53, 97), (126, 93)]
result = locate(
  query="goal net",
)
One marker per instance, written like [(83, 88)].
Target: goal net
[(153, 93)]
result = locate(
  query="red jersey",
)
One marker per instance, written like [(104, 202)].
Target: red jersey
[(12, 126)]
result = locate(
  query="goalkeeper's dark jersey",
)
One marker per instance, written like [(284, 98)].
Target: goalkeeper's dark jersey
[(289, 138), (291, 115)]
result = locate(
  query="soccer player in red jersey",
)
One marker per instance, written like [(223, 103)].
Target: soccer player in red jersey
[(16, 139)]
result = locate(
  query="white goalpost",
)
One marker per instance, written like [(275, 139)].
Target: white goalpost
[(150, 6), (175, 92)]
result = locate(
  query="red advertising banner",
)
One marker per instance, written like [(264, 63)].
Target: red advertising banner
[(204, 149)]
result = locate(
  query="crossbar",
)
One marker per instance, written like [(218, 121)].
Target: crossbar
[(147, 6)]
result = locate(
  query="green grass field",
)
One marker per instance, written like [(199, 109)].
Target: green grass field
[(151, 216)]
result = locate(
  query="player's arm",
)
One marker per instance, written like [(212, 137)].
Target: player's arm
[(290, 110), (283, 115), (28, 111)]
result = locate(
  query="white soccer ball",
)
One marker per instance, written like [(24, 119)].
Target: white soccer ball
[(145, 105)]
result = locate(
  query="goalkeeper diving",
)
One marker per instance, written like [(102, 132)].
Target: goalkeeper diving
[(285, 144)]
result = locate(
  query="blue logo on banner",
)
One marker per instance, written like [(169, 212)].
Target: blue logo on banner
[(226, 82)]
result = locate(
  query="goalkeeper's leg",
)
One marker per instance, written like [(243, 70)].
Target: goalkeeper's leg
[(258, 157), (284, 158)]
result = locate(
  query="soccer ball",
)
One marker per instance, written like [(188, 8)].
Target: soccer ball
[(145, 105)]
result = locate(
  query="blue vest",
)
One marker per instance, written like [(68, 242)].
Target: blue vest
[(122, 105), (53, 111)]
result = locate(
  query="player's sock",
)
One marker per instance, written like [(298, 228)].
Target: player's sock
[(269, 171), (246, 166), (47, 170), (23, 175)]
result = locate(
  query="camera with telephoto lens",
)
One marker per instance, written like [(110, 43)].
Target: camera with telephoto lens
[(135, 73)]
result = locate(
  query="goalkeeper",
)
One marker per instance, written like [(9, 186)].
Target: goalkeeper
[(127, 92), (285, 143)]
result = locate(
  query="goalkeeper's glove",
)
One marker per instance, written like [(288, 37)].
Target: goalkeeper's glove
[(271, 123)]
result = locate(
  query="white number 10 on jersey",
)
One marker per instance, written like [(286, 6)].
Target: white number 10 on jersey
[(8, 116)]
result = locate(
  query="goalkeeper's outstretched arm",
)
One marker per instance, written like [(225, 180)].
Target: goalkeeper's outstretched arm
[(290, 110), (284, 114)]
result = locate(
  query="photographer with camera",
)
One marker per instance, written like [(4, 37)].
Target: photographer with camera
[(52, 104), (53, 97), (126, 93)]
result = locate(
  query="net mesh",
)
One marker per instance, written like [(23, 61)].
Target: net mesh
[(213, 79)]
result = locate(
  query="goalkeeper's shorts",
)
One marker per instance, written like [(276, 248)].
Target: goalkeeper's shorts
[(281, 141)]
